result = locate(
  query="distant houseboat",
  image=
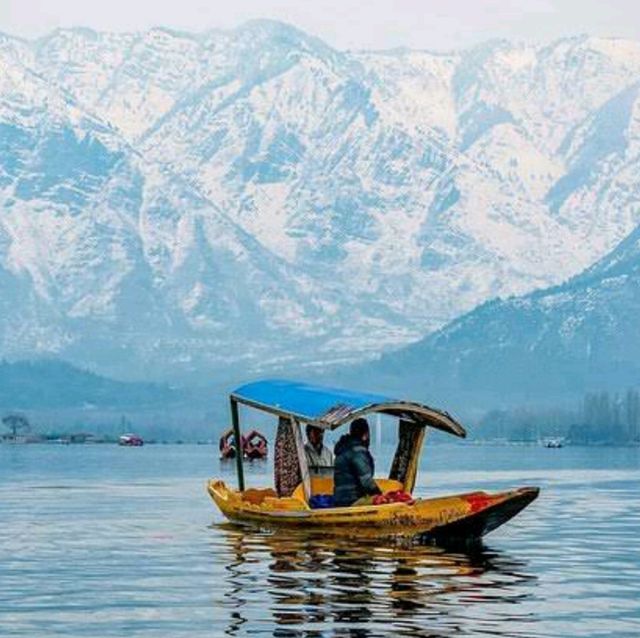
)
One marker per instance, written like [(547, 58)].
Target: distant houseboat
[(130, 440), (554, 443)]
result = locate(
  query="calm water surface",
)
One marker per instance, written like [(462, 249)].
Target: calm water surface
[(102, 541)]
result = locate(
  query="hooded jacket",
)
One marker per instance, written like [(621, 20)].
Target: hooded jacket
[(353, 471)]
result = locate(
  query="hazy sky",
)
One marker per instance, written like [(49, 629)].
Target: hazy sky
[(426, 24)]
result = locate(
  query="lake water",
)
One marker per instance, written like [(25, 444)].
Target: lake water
[(102, 541)]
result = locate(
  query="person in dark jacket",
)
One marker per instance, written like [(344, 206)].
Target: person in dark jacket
[(353, 467)]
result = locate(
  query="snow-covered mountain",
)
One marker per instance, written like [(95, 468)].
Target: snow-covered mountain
[(549, 344), (176, 202)]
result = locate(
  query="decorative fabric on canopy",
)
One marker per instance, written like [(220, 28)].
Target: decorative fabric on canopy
[(286, 463), (330, 408)]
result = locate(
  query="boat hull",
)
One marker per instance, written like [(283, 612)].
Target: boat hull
[(461, 516)]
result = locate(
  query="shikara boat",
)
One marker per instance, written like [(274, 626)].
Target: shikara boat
[(227, 444), (255, 446), (459, 516)]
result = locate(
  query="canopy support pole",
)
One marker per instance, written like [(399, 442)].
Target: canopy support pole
[(235, 420)]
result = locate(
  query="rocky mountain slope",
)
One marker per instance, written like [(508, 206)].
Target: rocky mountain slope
[(554, 343), (176, 203)]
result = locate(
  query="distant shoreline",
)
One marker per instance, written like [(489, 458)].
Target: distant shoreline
[(63, 440)]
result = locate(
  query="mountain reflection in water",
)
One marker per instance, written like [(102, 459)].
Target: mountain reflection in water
[(314, 584)]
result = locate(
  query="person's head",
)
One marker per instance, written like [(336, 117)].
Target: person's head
[(315, 435), (359, 429)]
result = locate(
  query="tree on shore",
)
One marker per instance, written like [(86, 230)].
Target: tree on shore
[(16, 423), (605, 418), (612, 418), (632, 409)]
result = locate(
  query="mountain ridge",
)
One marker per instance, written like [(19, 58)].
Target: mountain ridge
[(264, 198), (549, 345), (51, 384)]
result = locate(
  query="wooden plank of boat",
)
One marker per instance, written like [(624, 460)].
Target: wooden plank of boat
[(470, 515)]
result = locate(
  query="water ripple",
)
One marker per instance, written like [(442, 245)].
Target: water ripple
[(89, 551)]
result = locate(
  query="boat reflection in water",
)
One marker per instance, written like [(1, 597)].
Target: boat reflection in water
[(320, 585)]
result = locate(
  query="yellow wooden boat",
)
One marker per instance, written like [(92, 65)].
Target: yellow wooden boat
[(460, 516)]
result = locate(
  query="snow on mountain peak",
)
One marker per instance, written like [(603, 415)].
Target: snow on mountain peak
[(257, 194)]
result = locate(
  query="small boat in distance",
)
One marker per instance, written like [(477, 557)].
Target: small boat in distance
[(228, 447), (465, 516), (255, 446), (131, 440), (553, 443)]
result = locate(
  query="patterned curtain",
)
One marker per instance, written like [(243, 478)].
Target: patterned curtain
[(286, 467), (405, 462)]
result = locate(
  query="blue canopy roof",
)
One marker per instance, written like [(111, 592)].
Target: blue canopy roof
[(331, 407)]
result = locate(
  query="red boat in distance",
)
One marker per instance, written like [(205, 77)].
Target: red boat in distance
[(254, 445), (131, 440), (228, 445)]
